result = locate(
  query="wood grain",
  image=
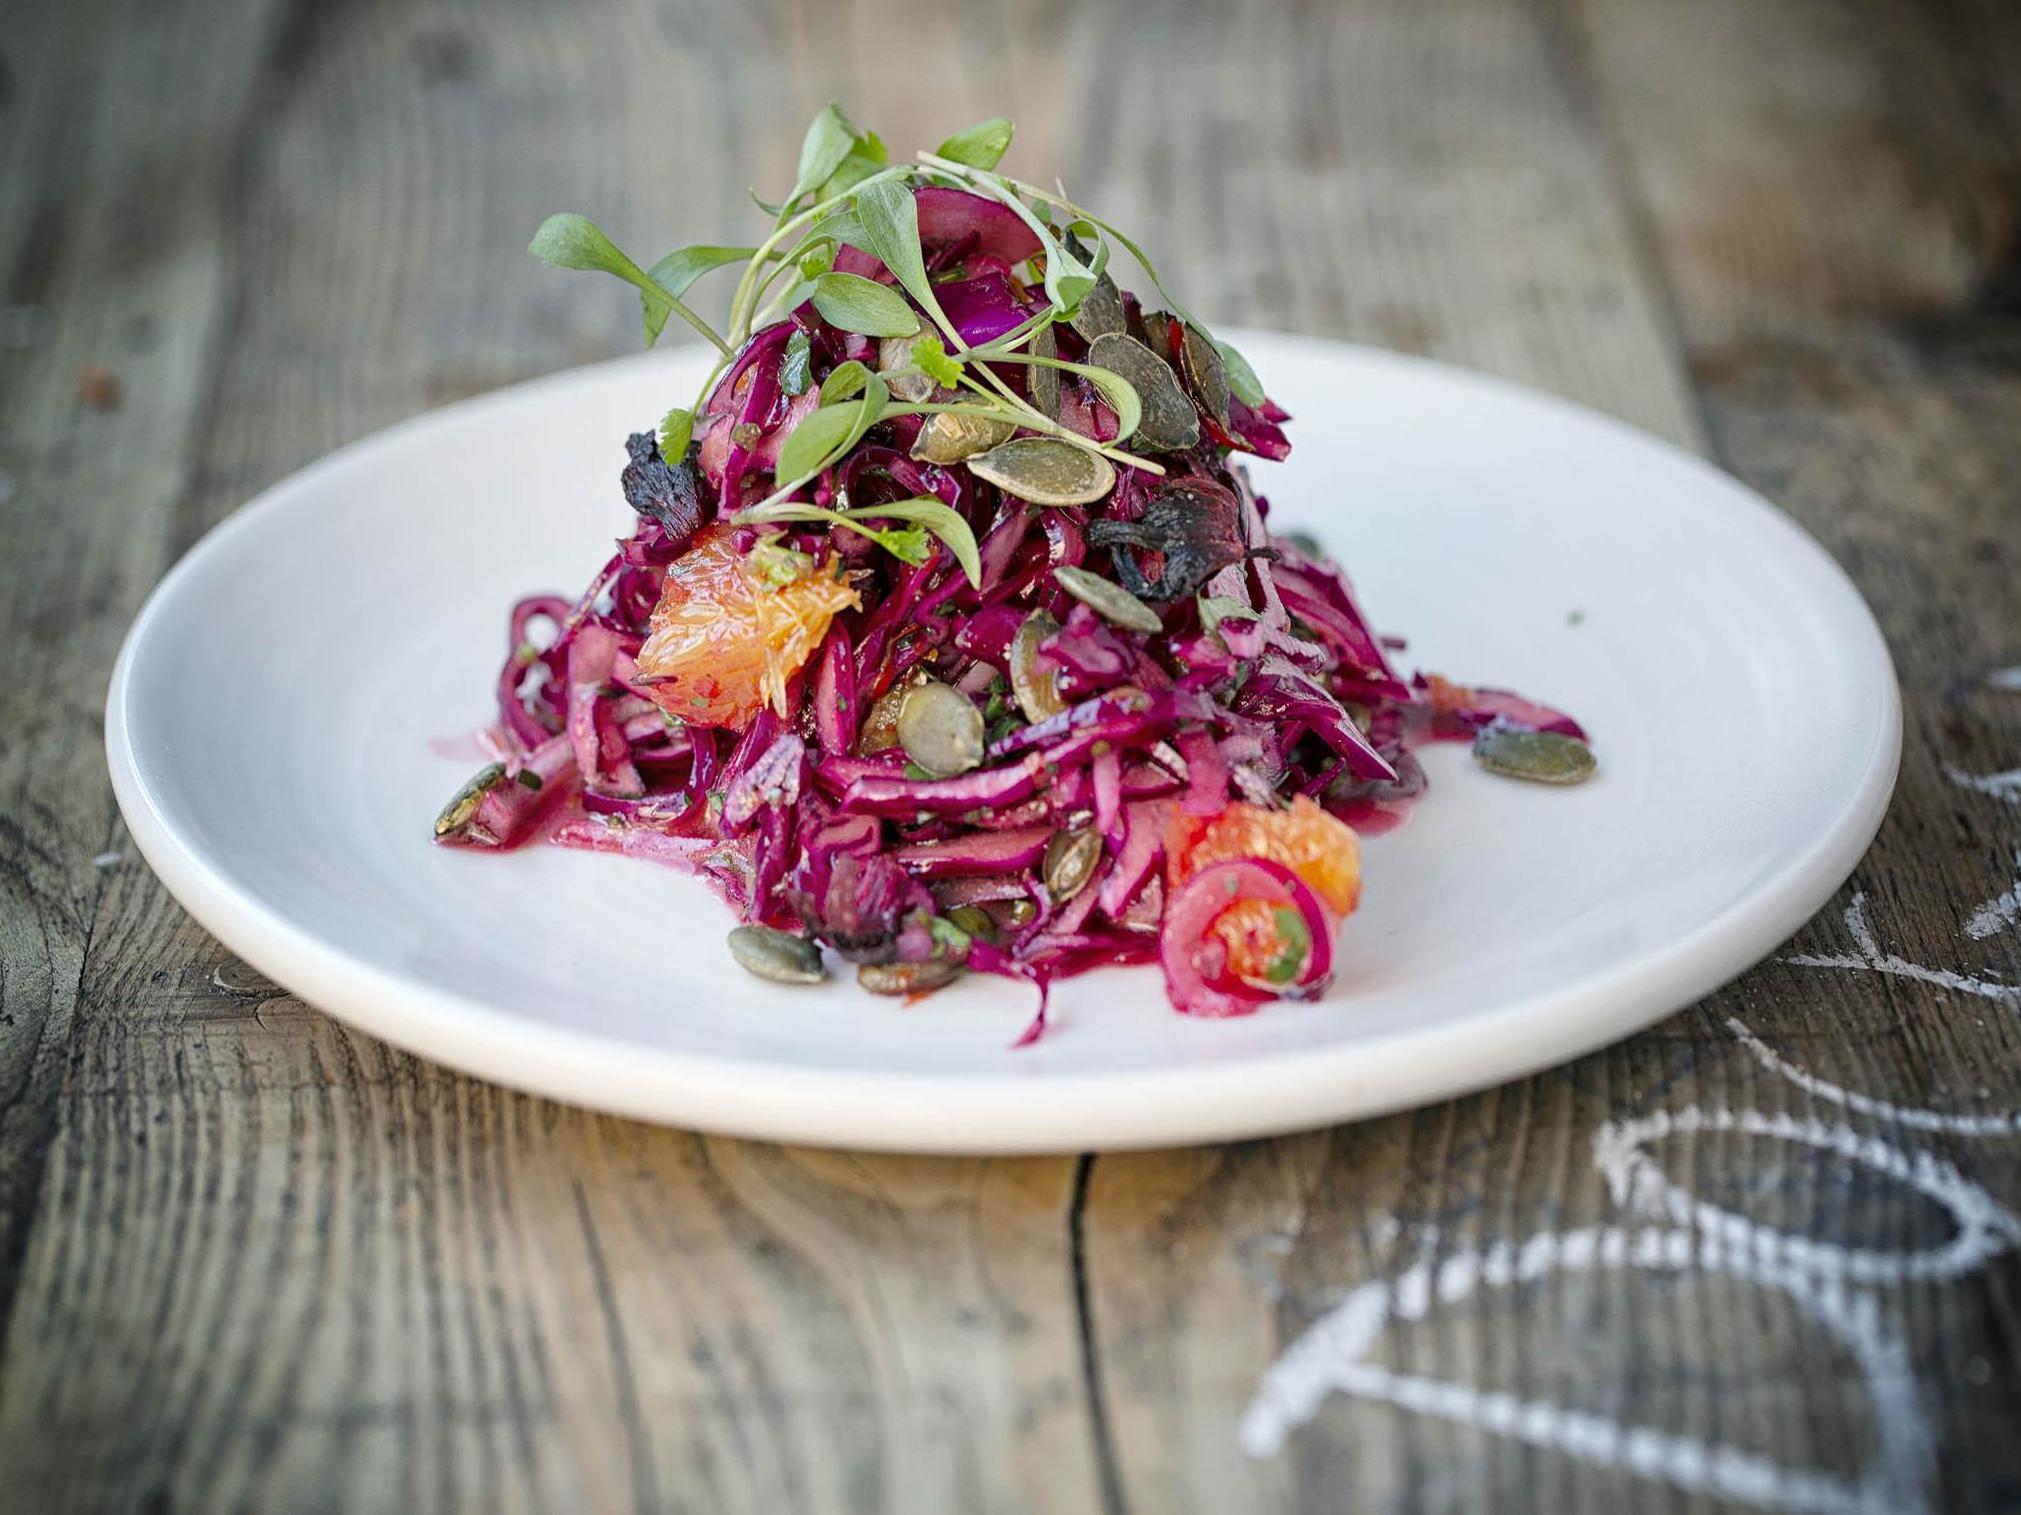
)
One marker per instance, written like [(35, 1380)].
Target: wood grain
[(273, 1264), (103, 271)]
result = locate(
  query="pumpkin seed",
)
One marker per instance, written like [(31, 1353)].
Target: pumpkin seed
[(1037, 689), (1046, 471), (974, 920), (1543, 757), (880, 726), (1043, 382), (1101, 311), (779, 956), (1111, 601), (894, 353), (945, 438), (1070, 862), (457, 813), (1169, 420), (1158, 335), (940, 729), (1206, 373), (908, 978)]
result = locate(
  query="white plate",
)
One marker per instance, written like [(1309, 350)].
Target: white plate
[(276, 719)]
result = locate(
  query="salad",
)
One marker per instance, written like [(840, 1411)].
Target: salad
[(951, 636)]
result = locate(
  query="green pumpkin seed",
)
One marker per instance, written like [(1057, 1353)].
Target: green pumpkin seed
[(895, 353), (1101, 311), (940, 729), (908, 978), (1206, 373), (1037, 689), (947, 438), (1070, 862), (974, 920), (1169, 420), (1111, 601), (457, 813), (1043, 382), (778, 956), (1543, 757), (880, 726), (1046, 471)]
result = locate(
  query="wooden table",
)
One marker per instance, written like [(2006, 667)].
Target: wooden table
[(1762, 1257)]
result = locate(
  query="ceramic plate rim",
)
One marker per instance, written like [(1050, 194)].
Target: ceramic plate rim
[(912, 1111)]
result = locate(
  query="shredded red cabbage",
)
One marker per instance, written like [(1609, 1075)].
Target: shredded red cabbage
[(1040, 850)]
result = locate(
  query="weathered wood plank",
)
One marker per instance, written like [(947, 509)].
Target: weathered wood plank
[(278, 1263), (1205, 1266), (1842, 226), (1427, 179), (100, 268)]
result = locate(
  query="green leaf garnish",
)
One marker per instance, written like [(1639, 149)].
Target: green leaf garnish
[(816, 260), (572, 241), (855, 303), (888, 222), (1241, 377), (931, 359), (979, 146), (829, 141), (1117, 390), (944, 522), (676, 274), (844, 380), (909, 544), (828, 433), (677, 428), (926, 514), (1068, 279), (866, 158), (796, 367), (810, 443)]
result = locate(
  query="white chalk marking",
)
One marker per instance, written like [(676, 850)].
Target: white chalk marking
[(1984, 1228), (2003, 1124), (1873, 960), (1331, 1358), (2002, 786), (1996, 913), (106, 860)]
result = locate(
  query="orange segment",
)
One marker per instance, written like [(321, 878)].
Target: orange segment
[(1319, 848), (723, 644)]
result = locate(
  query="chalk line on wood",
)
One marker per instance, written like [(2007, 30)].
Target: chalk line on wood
[(1996, 1124), (1330, 1357), (1996, 913), (1873, 960), (1984, 1228), (2002, 786), (1819, 1277)]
